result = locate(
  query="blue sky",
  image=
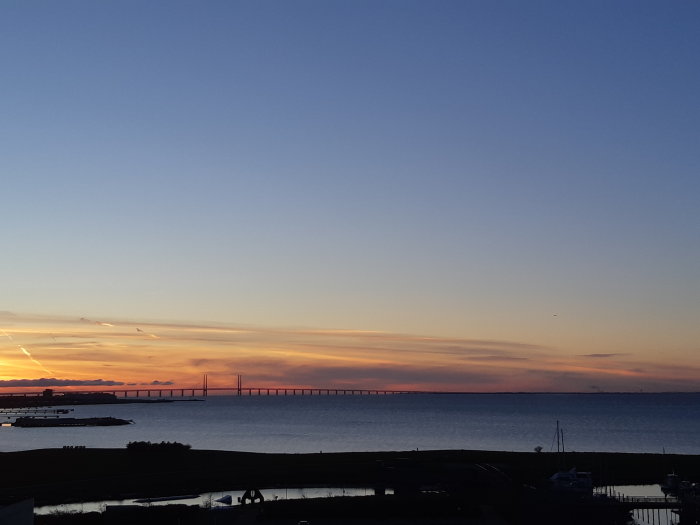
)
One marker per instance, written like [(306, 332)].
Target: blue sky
[(518, 171)]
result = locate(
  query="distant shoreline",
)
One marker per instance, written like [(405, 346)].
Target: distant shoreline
[(9, 400), (49, 399)]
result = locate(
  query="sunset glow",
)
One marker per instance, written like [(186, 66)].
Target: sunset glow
[(483, 195), (125, 354)]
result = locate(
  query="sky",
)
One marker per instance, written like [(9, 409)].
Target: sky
[(455, 195)]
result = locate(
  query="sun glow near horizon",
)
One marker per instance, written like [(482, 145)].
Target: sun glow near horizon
[(83, 353), (462, 196)]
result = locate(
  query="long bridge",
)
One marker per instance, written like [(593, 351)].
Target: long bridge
[(204, 390)]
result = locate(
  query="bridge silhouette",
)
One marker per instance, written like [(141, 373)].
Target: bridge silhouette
[(204, 390), (159, 392)]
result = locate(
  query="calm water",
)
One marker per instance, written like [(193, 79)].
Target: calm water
[(518, 422)]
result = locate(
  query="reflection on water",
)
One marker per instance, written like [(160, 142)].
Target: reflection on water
[(208, 499), (648, 517), (520, 422)]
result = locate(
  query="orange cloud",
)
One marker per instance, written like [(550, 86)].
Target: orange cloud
[(128, 352)]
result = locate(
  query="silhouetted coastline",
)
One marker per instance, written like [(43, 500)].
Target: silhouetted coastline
[(51, 399)]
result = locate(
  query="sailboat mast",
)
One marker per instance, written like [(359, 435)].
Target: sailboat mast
[(562, 441)]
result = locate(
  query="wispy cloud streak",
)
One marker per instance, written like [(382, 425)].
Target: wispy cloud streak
[(80, 349)]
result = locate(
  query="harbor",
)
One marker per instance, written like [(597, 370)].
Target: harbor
[(94, 465), (512, 487)]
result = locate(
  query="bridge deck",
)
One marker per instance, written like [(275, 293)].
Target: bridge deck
[(204, 391)]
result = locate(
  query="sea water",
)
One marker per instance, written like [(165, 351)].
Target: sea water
[(653, 423)]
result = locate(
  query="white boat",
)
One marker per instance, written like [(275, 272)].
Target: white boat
[(572, 482), (671, 484)]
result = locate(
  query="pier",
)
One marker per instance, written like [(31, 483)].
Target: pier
[(657, 510), (649, 502)]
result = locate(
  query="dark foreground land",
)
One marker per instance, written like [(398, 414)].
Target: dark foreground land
[(467, 479), (53, 476), (360, 510)]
